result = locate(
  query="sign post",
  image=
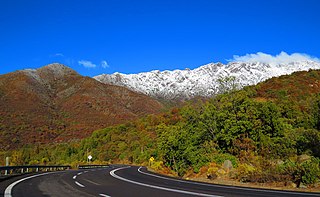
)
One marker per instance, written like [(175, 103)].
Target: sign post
[(151, 161), (7, 164), (89, 158)]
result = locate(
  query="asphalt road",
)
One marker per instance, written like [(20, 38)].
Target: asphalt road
[(121, 181)]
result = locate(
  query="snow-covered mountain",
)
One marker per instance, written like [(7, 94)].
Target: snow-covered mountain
[(202, 81)]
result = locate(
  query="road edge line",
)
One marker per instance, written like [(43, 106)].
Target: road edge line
[(8, 190), (228, 186), (112, 173)]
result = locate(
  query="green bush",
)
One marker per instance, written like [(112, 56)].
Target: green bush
[(220, 158), (311, 171), (306, 172)]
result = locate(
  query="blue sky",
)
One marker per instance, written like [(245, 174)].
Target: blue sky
[(106, 36)]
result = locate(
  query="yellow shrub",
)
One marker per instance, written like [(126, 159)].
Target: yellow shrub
[(212, 171), (244, 171), (156, 165)]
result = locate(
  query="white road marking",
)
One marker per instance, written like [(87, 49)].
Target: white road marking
[(75, 176), (79, 184), (8, 191), (227, 187), (104, 195), (91, 182), (112, 173), (79, 173)]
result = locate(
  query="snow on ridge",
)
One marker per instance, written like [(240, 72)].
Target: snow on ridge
[(55, 70), (32, 73), (202, 81)]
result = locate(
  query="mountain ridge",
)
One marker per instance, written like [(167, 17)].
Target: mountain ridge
[(204, 80), (55, 103)]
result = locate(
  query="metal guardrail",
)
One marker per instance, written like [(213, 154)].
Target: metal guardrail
[(9, 170), (92, 166)]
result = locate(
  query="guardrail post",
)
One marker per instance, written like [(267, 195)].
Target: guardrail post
[(7, 170)]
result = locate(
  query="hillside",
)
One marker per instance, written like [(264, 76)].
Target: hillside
[(298, 86), (269, 134), (54, 103)]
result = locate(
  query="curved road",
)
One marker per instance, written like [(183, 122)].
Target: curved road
[(122, 181)]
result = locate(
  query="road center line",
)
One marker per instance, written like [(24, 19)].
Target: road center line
[(75, 176), (91, 182), (222, 186), (104, 195), (8, 191), (112, 173), (79, 184)]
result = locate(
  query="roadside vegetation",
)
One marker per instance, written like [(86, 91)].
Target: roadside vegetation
[(256, 134)]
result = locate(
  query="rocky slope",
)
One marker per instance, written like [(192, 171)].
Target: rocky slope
[(54, 103), (202, 81)]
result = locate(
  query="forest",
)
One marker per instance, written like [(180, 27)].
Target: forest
[(269, 132)]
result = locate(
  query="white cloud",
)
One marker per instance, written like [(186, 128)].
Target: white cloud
[(104, 64), (87, 64), (58, 55), (282, 58)]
